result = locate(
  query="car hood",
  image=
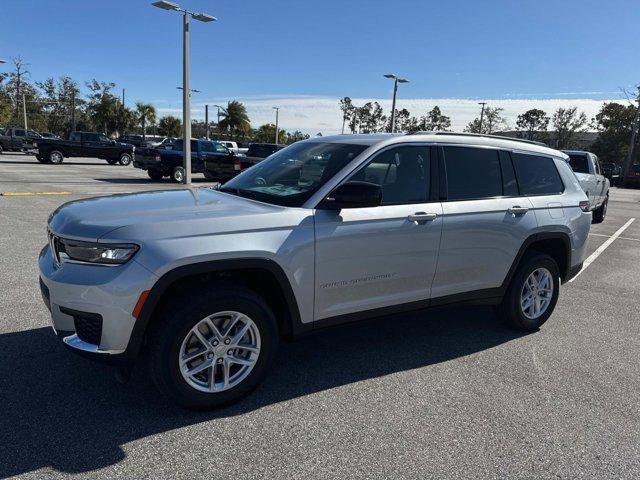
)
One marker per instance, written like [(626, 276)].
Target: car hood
[(157, 214)]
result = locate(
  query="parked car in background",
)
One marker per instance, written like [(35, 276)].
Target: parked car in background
[(210, 158), (632, 179), (586, 167), (204, 284), (233, 146), (49, 135), (262, 150), (613, 172), (85, 144), (135, 140), (18, 139)]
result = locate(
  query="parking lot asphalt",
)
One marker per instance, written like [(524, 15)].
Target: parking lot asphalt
[(447, 393)]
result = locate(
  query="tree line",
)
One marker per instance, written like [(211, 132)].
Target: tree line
[(614, 124), (56, 105)]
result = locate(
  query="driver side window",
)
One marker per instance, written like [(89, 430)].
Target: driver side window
[(402, 172)]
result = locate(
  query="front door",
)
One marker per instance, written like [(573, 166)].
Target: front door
[(368, 258)]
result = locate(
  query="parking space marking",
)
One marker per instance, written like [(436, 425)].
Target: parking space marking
[(602, 248), (29, 194), (619, 238)]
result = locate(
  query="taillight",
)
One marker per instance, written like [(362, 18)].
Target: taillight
[(237, 166), (585, 206)]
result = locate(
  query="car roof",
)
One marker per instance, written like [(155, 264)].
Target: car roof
[(383, 139)]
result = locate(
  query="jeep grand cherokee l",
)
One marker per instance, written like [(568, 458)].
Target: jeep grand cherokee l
[(325, 231)]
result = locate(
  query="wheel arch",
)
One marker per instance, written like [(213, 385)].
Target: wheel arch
[(555, 244), (262, 275)]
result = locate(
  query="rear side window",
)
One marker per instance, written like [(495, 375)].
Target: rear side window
[(537, 175), (472, 173), (579, 162)]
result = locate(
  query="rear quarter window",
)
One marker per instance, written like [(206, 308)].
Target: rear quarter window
[(472, 173), (537, 174)]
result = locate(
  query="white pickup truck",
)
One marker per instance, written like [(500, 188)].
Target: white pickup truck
[(233, 146), (586, 166)]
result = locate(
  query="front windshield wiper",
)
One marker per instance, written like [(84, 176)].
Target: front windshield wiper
[(240, 192)]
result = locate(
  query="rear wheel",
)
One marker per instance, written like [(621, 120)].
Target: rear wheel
[(532, 294), (600, 212), (177, 175), (125, 159), (155, 174), (55, 156), (212, 348)]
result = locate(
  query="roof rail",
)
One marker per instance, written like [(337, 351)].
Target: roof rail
[(484, 135)]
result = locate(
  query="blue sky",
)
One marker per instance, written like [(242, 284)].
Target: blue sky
[(281, 49)]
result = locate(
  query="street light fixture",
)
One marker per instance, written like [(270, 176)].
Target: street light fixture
[(277, 109), (396, 81), (186, 91)]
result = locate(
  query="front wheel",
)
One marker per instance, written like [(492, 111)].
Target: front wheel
[(532, 294), (55, 156), (177, 175), (212, 348), (125, 159)]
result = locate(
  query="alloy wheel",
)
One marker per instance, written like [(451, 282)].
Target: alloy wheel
[(219, 352), (536, 293)]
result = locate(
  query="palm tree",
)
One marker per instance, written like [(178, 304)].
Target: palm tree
[(235, 118), (170, 126), (146, 114)]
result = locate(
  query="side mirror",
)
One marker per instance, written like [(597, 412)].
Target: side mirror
[(355, 194)]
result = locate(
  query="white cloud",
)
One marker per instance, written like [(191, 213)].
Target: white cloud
[(322, 114)]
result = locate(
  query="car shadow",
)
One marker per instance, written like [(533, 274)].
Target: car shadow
[(67, 413)]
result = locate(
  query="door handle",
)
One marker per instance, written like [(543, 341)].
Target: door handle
[(421, 217), (517, 210)]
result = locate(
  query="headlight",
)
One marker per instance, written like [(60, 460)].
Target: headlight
[(100, 253)]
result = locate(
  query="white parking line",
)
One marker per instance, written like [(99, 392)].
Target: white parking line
[(602, 248), (619, 238)]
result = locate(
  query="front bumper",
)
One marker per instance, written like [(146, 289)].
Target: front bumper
[(77, 295)]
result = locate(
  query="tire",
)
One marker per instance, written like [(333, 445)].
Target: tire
[(125, 159), (173, 337), (177, 175), (600, 212), (155, 174), (55, 157), (511, 311), (112, 161)]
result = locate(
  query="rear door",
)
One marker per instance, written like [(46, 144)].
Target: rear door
[(485, 221), (91, 146), (368, 258)]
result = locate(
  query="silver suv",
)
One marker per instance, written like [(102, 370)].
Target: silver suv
[(205, 283)]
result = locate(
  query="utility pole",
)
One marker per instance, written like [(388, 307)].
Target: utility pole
[(24, 110), (632, 141), (206, 120), (277, 109), (73, 110), (481, 114)]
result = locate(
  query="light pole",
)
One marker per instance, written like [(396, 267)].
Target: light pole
[(225, 111), (396, 81), (277, 109), (186, 106), (481, 114)]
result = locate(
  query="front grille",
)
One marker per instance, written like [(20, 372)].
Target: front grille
[(88, 325)]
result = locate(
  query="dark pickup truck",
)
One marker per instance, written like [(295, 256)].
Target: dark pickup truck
[(85, 144), (213, 159), (18, 139)]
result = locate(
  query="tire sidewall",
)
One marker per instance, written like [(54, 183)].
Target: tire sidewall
[(514, 310), (177, 325)]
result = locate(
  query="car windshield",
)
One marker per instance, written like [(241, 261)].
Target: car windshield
[(579, 163), (290, 176)]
